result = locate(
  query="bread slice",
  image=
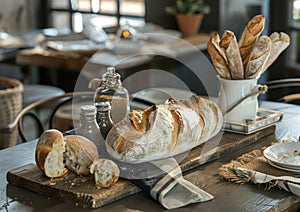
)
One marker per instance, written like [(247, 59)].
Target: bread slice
[(49, 154), (80, 154), (106, 172)]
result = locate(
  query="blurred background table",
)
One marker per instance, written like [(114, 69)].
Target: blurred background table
[(76, 61), (64, 68)]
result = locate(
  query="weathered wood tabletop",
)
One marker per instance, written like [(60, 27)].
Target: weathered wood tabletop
[(81, 189), (228, 196)]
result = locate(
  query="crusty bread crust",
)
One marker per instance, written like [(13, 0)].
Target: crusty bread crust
[(85, 144), (280, 41), (258, 57), (80, 153), (249, 36), (140, 119), (251, 56), (106, 172), (175, 127), (218, 56), (45, 146), (231, 48)]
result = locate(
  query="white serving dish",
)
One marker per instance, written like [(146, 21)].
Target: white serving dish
[(284, 168), (286, 155)]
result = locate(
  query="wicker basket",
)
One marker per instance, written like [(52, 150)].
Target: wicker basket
[(10, 106)]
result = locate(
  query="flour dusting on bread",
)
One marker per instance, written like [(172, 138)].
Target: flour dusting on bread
[(174, 127)]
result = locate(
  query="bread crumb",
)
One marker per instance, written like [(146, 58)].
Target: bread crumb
[(52, 183)]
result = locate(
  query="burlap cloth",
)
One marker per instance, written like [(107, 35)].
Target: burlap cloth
[(253, 167)]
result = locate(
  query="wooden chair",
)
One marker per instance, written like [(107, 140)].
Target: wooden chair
[(282, 88), (59, 101)]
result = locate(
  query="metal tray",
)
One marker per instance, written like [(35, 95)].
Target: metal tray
[(264, 119)]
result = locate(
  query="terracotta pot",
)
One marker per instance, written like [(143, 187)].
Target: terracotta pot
[(189, 24)]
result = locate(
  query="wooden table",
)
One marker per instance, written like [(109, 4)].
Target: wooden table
[(76, 61), (177, 58), (228, 196)]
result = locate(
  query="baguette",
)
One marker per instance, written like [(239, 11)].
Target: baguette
[(80, 154), (258, 57), (280, 41), (249, 36), (49, 154), (218, 56), (231, 47), (171, 128)]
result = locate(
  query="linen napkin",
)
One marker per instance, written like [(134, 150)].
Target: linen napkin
[(171, 189), (253, 167)]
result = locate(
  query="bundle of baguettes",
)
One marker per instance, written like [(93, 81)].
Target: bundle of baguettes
[(164, 130), (249, 57)]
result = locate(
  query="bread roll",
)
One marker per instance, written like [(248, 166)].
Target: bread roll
[(258, 57), (106, 172), (80, 154), (249, 36), (231, 48), (164, 130), (280, 41), (49, 154), (218, 56)]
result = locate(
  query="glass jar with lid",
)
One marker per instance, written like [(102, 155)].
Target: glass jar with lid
[(103, 117), (88, 126), (112, 91)]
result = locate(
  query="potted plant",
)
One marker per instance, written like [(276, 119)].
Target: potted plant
[(189, 15)]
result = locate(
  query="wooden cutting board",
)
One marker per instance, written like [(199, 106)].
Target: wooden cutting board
[(82, 191)]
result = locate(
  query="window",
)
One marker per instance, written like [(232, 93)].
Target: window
[(69, 14), (294, 24)]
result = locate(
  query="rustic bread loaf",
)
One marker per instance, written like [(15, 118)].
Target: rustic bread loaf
[(249, 36), (80, 154), (231, 48), (164, 130), (106, 172), (49, 154), (218, 56)]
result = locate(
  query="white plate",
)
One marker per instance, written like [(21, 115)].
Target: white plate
[(284, 154), (283, 168), (74, 46)]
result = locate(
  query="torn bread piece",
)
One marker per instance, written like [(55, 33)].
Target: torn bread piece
[(49, 153), (106, 172), (80, 154)]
